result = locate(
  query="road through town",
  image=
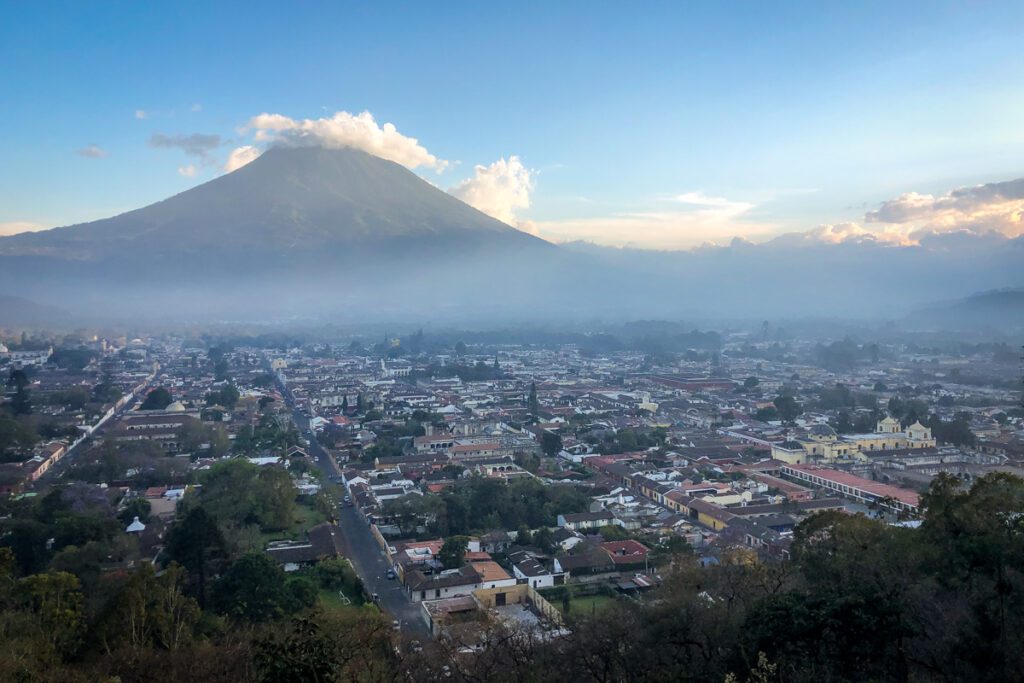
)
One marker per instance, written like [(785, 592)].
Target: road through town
[(361, 547)]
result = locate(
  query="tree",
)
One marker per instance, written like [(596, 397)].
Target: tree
[(751, 382), (226, 396), (195, 436), (614, 532), (15, 434), (551, 444), (532, 404), (238, 492), (787, 407), (336, 573), (56, 600), (21, 403), (453, 552), (544, 539), (670, 551), (150, 611), (196, 543), (254, 589), (72, 359), (460, 348), (221, 369), (156, 399)]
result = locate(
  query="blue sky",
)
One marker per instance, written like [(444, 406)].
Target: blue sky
[(662, 125)]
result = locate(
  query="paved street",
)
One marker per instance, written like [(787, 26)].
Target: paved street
[(58, 469), (363, 550)]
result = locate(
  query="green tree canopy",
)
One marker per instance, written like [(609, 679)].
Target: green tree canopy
[(156, 399), (453, 552)]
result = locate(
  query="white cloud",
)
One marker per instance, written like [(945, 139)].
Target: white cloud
[(652, 230), (499, 190), (344, 129), (196, 107), (839, 233), (140, 114), (989, 208), (240, 156), (187, 171), (702, 219), (92, 152), (15, 227)]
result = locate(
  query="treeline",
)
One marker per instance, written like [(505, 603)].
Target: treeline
[(478, 504), (212, 609), (859, 600)]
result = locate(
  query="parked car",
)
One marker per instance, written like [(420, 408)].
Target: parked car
[(391, 574)]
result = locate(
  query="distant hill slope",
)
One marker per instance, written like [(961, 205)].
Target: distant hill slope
[(1001, 309), (15, 311), (338, 234)]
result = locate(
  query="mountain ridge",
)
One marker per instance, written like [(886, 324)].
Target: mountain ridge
[(288, 196)]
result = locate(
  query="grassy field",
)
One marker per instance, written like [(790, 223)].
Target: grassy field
[(332, 599), (579, 603), (306, 517)]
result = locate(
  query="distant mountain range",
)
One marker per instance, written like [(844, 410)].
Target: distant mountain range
[(338, 234), (15, 311), (1001, 309)]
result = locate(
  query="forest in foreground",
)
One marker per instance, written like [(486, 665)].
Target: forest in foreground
[(859, 600)]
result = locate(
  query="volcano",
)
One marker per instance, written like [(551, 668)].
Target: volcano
[(312, 221)]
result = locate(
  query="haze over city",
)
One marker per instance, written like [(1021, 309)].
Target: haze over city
[(530, 342)]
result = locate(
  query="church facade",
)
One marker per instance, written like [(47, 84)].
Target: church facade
[(822, 444)]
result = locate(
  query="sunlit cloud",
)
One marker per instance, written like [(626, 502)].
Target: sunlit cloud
[(344, 129), (141, 114), (240, 156), (694, 219), (500, 190), (653, 230), (839, 233), (992, 207), (188, 171)]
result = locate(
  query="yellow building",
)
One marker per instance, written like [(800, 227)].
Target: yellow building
[(823, 444)]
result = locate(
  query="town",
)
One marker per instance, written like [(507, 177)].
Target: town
[(430, 491)]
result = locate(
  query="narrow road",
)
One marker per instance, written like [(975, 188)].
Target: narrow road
[(366, 555), (59, 467)]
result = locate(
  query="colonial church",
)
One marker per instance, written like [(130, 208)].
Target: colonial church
[(822, 444)]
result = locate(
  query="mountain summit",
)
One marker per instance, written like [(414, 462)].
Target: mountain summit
[(289, 199), (313, 223)]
